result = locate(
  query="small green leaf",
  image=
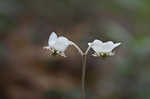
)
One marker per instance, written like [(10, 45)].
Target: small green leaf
[(54, 53), (104, 56)]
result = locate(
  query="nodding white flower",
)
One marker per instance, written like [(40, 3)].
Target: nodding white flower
[(103, 48), (57, 45)]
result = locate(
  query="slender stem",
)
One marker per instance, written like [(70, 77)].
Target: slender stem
[(88, 49), (83, 76), (77, 47), (83, 67)]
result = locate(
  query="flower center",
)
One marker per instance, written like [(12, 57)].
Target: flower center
[(54, 53)]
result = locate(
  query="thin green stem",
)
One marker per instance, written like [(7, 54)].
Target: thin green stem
[(83, 67), (77, 47), (83, 76), (88, 49)]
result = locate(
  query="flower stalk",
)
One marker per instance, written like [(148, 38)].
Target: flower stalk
[(83, 76), (84, 55), (77, 47)]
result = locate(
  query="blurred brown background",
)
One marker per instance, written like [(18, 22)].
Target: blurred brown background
[(27, 72)]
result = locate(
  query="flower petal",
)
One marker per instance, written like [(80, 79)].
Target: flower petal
[(97, 45), (97, 41), (116, 44), (52, 39), (61, 44), (46, 47), (109, 46), (89, 44)]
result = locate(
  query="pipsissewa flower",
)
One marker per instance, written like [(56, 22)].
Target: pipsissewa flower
[(103, 48), (57, 45)]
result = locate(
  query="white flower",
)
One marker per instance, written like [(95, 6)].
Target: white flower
[(103, 48), (57, 45)]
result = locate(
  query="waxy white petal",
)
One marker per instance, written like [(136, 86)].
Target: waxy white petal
[(61, 44), (46, 47), (52, 39), (107, 46), (97, 45)]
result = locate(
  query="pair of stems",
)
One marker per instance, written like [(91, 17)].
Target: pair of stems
[(84, 55)]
